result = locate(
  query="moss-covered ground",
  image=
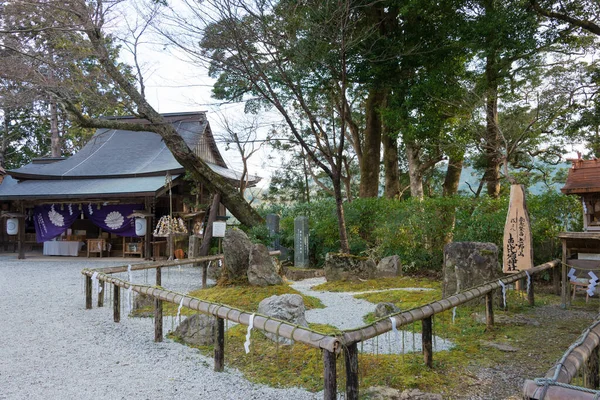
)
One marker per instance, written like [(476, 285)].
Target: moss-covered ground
[(541, 334)]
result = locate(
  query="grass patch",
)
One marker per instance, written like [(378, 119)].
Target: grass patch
[(378, 284)]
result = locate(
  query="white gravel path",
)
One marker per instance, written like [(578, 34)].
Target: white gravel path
[(52, 348), (344, 311)]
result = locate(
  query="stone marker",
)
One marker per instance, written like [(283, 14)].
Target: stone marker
[(262, 270), (287, 307), (301, 242), (468, 264), (273, 228), (194, 246), (197, 329), (344, 267), (389, 267), (385, 309), (236, 252)]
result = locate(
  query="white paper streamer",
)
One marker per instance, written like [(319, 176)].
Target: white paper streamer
[(95, 283), (90, 208), (129, 293), (503, 292), (584, 206), (395, 329), (247, 342), (528, 281), (593, 283), (130, 275), (453, 314), (70, 209), (571, 275), (179, 310), (220, 263)]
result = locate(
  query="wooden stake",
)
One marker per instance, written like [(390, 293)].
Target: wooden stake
[(489, 310), (530, 295), (563, 280), (220, 345), (426, 339), (116, 303), (88, 292), (204, 274), (591, 378), (556, 280), (351, 359), (101, 294), (158, 320), (329, 376), (21, 233), (158, 277)]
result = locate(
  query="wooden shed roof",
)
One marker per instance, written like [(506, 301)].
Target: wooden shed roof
[(583, 177)]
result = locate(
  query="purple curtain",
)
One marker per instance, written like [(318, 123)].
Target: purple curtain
[(51, 221), (113, 218)]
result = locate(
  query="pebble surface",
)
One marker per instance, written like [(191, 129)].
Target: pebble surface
[(52, 348)]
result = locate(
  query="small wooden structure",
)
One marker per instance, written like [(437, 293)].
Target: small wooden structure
[(581, 250)]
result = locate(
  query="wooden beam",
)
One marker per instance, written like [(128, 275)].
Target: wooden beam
[(220, 345), (351, 360), (329, 376)]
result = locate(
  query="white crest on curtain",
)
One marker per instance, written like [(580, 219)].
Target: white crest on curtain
[(114, 220)]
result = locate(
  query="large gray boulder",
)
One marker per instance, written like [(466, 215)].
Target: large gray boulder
[(236, 251), (345, 267), (389, 267), (197, 330), (262, 269), (468, 264), (287, 307)]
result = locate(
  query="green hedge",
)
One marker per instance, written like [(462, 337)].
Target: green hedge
[(417, 230)]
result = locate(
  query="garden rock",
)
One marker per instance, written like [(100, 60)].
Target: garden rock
[(468, 264), (389, 267), (143, 305), (236, 252), (287, 307), (214, 270), (198, 330), (385, 309), (344, 267), (262, 269), (387, 393)]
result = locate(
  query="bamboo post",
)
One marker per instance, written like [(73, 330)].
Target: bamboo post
[(220, 345), (591, 378), (116, 303), (530, 294), (489, 310), (329, 376), (101, 294), (158, 320), (563, 279), (88, 292), (158, 277), (426, 339), (351, 359)]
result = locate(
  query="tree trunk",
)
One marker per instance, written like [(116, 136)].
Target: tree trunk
[(4, 143), (371, 152), (339, 207), (452, 180), (390, 164), (414, 170), (55, 137), (198, 169)]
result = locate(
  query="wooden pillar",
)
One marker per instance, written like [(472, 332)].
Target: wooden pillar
[(220, 345), (591, 378), (21, 243), (489, 310), (158, 277), (427, 341), (148, 237), (116, 303), (556, 280), (329, 376), (530, 294), (351, 359), (101, 294), (564, 294), (88, 292), (158, 320)]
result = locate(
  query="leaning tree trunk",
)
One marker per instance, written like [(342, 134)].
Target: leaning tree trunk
[(492, 131), (198, 169), (452, 180), (55, 137), (371, 151), (339, 208)]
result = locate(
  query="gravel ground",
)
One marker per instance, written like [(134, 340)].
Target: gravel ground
[(52, 348), (344, 311)]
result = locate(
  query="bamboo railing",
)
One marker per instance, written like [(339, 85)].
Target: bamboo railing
[(330, 344)]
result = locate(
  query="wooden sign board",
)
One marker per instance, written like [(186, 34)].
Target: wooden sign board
[(517, 250)]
